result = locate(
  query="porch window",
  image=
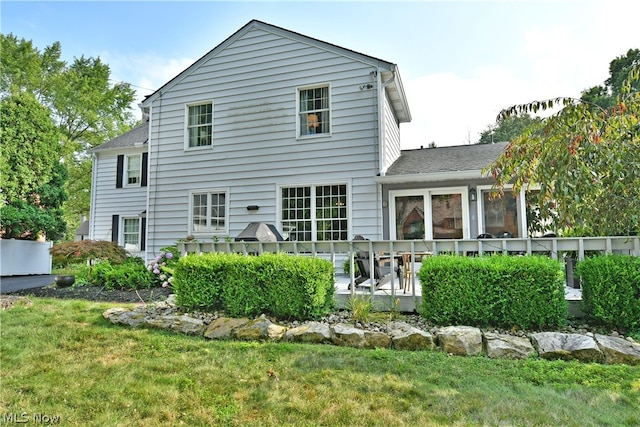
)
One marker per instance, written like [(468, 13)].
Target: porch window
[(315, 212), (208, 212), (314, 111), (199, 125), (430, 214), (131, 234), (500, 215)]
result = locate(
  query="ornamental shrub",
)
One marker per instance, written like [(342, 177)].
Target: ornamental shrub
[(611, 290), (280, 285), (500, 291), (73, 252), (130, 275)]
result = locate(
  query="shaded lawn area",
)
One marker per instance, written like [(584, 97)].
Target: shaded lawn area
[(60, 357)]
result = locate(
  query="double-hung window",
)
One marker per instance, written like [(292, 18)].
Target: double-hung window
[(134, 170), (314, 111), (315, 212), (131, 234), (208, 212), (199, 132)]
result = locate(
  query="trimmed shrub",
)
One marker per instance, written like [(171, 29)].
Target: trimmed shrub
[(502, 291), (611, 290), (130, 275), (73, 252), (280, 285)]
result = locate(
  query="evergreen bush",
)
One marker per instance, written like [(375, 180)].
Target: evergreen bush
[(280, 285), (500, 291), (611, 290)]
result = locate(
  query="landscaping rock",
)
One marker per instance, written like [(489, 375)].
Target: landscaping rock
[(312, 332), (184, 324), (460, 340), (125, 316), (618, 350), (224, 327), (502, 346), (406, 337), (556, 345), (375, 339), (260, 329), (347, 335)]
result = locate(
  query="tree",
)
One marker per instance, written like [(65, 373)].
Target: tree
[(33, 178), (507, 128), (604, 96), (586, 160), (86, 107)]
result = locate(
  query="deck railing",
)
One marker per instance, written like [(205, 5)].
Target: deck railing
[(555, 247), (338, 252)]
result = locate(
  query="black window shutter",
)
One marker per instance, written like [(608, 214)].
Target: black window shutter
[(145, 167), (143, 234), (119, 171), (115, 221)]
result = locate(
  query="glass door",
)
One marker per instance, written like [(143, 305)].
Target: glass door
[(409, 217)]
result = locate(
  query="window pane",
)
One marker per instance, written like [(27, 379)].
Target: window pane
[(199, 212), (500, 215), (446, 216), (409, 217), (131, 233), (133, 170), (200, 125), (314, 111)]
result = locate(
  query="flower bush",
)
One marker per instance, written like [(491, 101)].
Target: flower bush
[(162, 266)]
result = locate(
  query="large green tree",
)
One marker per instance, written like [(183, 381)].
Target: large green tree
[(507, 128), (85, 105), (605, 95), (585, 160), (32, 175)]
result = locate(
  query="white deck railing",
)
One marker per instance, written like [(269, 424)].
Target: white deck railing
[(554, 247), (339, 251)]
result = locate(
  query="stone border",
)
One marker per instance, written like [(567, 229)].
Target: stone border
[(454, 340)]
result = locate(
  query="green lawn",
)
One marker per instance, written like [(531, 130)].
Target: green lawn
[(61, 358)]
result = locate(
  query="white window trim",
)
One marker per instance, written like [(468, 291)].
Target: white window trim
[(125, 178), (186, 125), (427, 193), (316, 135), (122, 233), (209, 232), (522, 207), (314, 219)]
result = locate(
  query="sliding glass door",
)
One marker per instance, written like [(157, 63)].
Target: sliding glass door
[(430, 214)]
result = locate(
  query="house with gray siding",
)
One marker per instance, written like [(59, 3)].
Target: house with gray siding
[(274, 126)]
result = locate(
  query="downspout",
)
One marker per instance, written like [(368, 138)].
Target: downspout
[(92, 202), (382, 142), (149, 184)]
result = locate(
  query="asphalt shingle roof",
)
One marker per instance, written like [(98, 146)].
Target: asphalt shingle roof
[(136, 136), (446, 159)]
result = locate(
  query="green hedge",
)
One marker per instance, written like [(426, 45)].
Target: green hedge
[(131, 274), (280, 285), (502, 291), (611, 290)]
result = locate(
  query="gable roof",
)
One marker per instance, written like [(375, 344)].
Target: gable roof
[(389, 70), (135, 137), (442, 163)]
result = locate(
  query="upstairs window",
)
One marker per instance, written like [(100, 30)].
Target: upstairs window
[(134, 170), (199, 125), (314, 111)]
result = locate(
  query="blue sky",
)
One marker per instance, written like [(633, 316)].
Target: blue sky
[(460, 62)]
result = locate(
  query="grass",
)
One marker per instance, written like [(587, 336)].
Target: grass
[(61, 358)]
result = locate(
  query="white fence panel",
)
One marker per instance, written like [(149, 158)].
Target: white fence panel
[(24, 257)]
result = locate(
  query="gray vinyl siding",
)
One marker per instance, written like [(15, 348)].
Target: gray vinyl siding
[(109, 200), (391, 136), (252, 82)]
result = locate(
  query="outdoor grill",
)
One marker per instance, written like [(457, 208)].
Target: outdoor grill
[(259, 232)]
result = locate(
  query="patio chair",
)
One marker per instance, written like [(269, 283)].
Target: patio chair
[(381, 273)]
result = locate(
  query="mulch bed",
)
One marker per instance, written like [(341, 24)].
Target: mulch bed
[(97, 293)]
